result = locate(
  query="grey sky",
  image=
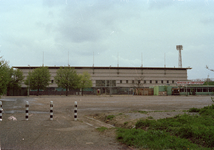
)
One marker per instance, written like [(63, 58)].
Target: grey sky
[(108, 28)]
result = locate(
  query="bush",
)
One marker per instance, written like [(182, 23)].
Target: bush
[(194, 110)]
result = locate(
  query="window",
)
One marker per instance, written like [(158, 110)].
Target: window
[(150, 81), (199, 89), (127, 81), (120, 81), (112, 82), (100, 82), (173, 81), (104, 83), (181, 90), (156, 81), (167, 81), (145, 81), (52, 81), (205, 89), (138, 81), (161, 81), (133, 81)]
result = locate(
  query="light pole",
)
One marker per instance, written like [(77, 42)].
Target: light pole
[(29, 82), (109, 82)]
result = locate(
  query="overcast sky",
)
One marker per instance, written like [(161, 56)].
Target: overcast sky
[(111, 29)]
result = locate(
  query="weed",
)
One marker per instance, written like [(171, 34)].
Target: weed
[(102, 129), (150, 117), (180, 132), (211, 99), (152, 139), (120, 113), (143, 112), (125, 123), (194, 109), (110, 117)]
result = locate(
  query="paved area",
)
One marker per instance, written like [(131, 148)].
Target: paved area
[(65, 133)]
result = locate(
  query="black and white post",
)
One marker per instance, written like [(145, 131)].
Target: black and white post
[(51, 110), (0, 111), (75, 111), (26, 110)]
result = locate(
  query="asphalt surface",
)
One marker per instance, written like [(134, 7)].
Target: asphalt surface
[(65, 133)]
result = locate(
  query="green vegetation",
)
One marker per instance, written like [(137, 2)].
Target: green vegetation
[(9, 78), (209, 83), (38, 79), (125, 123), (102, 129), (110, 117), (150, 117), (85, 81), (16, 78), (67, 78), (194, 110), (4, 76), (180, 132)]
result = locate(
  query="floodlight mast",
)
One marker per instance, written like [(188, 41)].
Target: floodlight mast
[(179, 48)]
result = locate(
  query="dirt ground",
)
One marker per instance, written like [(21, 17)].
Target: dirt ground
[(65, 133)]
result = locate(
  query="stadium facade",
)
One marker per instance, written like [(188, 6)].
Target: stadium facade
[(119, 80)]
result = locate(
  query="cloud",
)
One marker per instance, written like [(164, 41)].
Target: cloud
[(154, 4)]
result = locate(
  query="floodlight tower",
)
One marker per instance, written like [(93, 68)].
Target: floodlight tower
[(179, 48)]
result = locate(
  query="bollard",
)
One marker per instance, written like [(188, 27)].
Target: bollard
[(75, 110), (26, 110), (51, 110), (0, 114)]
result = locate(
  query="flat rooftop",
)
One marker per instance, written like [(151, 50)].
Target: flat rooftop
[(82, 67)]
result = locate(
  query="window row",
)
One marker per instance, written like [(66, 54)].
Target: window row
[(147, 81), (197, 89)]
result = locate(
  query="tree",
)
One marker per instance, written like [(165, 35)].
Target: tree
[(16, 78), (209, 68), (38, 79), (67, 78), (4, 76), (139, 83), (85, 81)]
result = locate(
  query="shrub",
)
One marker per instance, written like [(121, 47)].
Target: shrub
[(194, 110), (110, 117)]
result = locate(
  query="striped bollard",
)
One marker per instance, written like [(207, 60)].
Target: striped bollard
[(51, 110), (26, 110), (0, 111), (75, 110)]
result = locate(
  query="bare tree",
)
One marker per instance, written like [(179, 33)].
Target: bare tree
[(138, 82), (209, 68)]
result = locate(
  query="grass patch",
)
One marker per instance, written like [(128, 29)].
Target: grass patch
[(194, 109), (180, 132), (102, 129), (150, 117), (152, 139), (138, 111), (125, 123), (143, 112), (110, 117)]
